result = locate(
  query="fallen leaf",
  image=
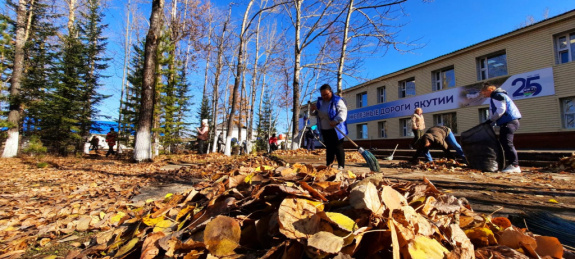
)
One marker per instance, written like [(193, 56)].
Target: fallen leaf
[(326, 242), (423, 247), (481, 236), (553, 201), (502, 222), (365, 196), (125, 249), (513, 238), (222, 235), (392, 199), (549, 246), (342, 221), (298, 218), (150, 249)]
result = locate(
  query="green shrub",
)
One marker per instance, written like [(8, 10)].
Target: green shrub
[(35, 146), (42, 165)]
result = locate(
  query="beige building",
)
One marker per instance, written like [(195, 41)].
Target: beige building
[(535, 64)]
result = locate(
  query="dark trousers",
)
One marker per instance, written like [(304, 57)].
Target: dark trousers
[(201, 146), (333, 147), (506, 132), (110, 150), (310, 143), (417, 134)]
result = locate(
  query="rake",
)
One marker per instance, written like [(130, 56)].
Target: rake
[(368, 156)]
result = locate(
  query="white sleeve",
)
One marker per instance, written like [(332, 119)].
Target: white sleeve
[(501, 107), (342, 111)]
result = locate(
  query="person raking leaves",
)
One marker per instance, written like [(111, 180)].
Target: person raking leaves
[(437, 137), (111, 140)]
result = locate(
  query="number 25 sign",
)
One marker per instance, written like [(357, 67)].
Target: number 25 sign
[(531, 84)]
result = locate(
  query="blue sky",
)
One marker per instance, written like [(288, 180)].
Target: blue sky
[(442, 26)]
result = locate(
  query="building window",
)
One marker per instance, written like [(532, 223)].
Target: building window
[(381, 98), (568, 112), (483, 114), (492, 66), (362, 131), (405, 127), (446, 119), (407, 88), (443, 79), (565, 47), (361, 99), (382, 129)]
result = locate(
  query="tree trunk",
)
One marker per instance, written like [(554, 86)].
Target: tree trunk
[(254, 81), (124, 81), (343, 48), (11, 146), (239, 71), (219, 65), (71, 17), (142, 150), (296, 75)]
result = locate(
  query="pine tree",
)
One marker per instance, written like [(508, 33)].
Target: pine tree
[(131, 108), (90, 34), (266, 125), (6, 58)]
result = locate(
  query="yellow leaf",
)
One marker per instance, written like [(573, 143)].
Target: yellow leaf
[(423, 247), (162, 225), (149, 201), (553, 201), (127, 247), (102, 215), (50, 257), (351, 175), (342, 221), (248, 178), (118, 217), (184, 211), (152, 221)]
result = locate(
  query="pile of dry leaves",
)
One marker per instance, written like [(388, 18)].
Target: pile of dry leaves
[(567, 163), (300, 211), (352, 156)]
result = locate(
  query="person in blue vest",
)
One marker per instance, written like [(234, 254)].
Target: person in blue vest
[(504, 113), (331, 113)]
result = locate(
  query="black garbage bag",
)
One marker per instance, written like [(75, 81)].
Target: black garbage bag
[(482, 149)]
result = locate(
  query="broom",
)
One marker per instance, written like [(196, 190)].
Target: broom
[(368, 156)]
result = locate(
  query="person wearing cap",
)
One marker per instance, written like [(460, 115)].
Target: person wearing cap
[(437, 137), (202, 136), (331, 113), (506, 115)]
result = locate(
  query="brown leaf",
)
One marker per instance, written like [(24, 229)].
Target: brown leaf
[(150, 248), (312, 191), (512, 238), (298, 218), (392, 198), (222, 235), (365, 196), (498, 252), (549, 246), (83, 223), (326, 242)]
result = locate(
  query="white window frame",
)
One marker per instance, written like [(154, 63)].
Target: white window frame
[(402, 88), (483, 65), (359, 100), (382, 129), (360, 133), (439, 120), (568, 116), (381, 95), (437, 78), (405, 127), (483, 114), (569, 47)]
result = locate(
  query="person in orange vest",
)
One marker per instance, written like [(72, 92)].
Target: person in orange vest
[(111, 140)]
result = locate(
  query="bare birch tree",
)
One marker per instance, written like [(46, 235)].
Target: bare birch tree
[(11, 146), (142, 150)]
